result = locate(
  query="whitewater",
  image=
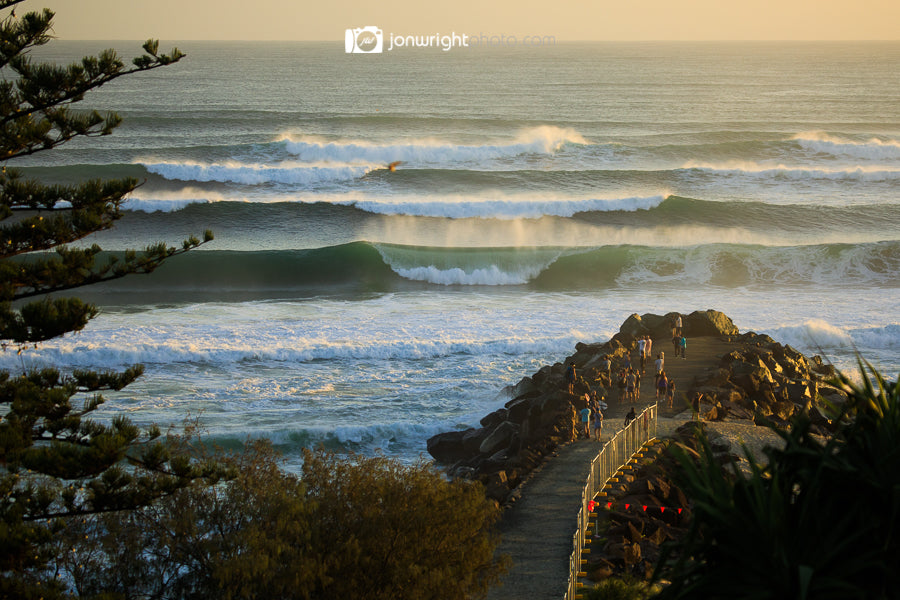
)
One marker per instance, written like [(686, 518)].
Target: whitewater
[(557, 191)]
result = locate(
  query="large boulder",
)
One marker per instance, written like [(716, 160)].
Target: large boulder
[(525, 386), (658, 326), (448, 447), (473, 438), (708, 322), (493, 419), (518, 409), (794, 363), (632, 328), (802, 392), (499, 438)]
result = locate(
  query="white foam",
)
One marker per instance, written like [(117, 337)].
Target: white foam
[(842, 344), (887, 337), (873, 148), (846, 266), (489, 205), (256, 173), (815, 333), (145, 200), (115, 341), (538, 140), (492, 275), (527, 206)]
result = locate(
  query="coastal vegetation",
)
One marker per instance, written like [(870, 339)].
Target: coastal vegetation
[(347, 528), (816, 517), (58, 465), (820, 519), (97, 509)]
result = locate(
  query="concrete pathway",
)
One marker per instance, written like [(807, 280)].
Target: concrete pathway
[(537, 530)]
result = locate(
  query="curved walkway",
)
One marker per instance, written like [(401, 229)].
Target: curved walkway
[(537, 530)]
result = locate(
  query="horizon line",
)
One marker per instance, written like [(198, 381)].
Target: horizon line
[(629, 41)]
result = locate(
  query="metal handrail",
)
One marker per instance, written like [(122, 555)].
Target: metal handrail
[(616, 453)]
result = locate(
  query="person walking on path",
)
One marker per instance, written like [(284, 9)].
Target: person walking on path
[(670, 393), (648, 349), (682, 344), (630, 417), (597, 423), (630, 379), (660, 364), (642, 347), (662, 385), (605, 369), (586, 421), (678, 324)]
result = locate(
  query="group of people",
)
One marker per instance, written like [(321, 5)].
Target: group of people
[(592, 416), (627, 378), (645, 349)]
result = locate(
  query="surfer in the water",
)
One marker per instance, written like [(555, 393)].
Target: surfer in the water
[(393, 166)]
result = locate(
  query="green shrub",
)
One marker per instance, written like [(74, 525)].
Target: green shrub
[(620, 588), (820, 520)]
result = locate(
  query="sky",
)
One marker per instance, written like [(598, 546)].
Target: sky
[(565, 20)]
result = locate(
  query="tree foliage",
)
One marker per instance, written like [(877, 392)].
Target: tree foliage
[(402, 532), (56, 464), (399, 532), (820, 520), (108, 510), (36, 115)]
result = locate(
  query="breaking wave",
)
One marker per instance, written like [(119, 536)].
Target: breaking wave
[(873, 148), (537, 140), (364, 266)]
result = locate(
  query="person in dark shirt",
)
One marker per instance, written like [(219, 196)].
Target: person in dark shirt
[(630, 417)]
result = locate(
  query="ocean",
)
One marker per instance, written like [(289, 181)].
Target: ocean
[(544, 195)]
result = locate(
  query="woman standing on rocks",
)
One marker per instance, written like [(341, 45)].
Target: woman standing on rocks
[(570, 377)]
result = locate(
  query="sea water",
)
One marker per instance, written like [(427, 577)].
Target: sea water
[(544, 195)]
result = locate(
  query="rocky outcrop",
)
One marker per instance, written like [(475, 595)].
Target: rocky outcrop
[(697, 324), (763, 379), (644, 509), (759, 380)]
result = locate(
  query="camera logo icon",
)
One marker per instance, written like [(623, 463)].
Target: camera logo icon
[(363, 40)]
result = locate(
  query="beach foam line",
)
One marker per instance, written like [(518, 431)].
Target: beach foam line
[(151, 349), (873, 148), (538, 140)]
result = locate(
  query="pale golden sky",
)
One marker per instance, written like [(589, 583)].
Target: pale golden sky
[(567, 20)]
